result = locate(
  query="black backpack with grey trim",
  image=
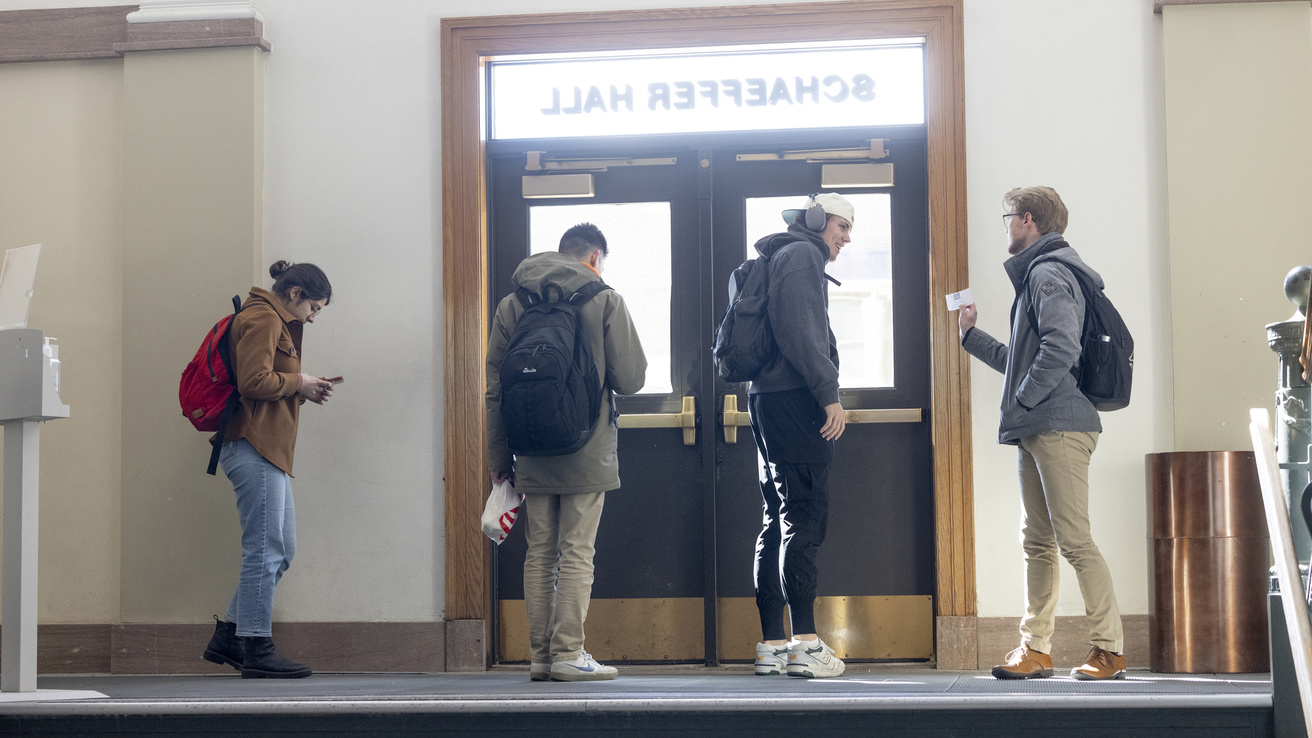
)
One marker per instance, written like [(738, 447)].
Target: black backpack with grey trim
[(550, 389), (1106, 367), (744, 343)]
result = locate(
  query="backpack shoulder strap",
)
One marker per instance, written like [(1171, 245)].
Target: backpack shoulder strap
[(224, 348), (587, 292), (1085, 287), (234, 400), (1080, 278), (526, 298), (529, 298)]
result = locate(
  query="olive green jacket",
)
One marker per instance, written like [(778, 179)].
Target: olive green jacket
[(620, 362)]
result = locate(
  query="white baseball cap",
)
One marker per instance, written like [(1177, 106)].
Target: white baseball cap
[(830, 202)]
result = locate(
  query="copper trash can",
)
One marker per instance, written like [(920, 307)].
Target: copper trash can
[(1208, 578)]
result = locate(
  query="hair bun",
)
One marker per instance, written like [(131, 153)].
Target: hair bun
[(278, 268)]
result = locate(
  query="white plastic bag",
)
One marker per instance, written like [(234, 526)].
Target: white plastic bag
[(501, 511)]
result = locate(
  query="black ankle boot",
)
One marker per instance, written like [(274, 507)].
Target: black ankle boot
[(262, 661), (225, 646)]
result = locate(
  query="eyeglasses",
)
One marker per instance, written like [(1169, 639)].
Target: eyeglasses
[(314, 309), (1008, 215)]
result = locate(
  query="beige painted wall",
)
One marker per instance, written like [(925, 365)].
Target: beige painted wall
[(1239, 176), (193, 188), (144, 180), (63, 188), (1102, 150)]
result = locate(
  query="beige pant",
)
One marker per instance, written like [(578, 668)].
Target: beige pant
[(1054, 483), (562, 533)]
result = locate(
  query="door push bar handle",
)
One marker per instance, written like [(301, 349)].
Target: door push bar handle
[(685, 419), (733, 419), (886, 415)]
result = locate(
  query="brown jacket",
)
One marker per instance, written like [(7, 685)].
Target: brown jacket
[(266, 354)]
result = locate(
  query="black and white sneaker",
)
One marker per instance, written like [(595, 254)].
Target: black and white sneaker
[(813, 659)]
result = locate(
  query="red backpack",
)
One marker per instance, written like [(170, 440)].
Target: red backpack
[(208, 390)]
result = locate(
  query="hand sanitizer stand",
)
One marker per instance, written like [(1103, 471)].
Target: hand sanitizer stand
[(27, 398)]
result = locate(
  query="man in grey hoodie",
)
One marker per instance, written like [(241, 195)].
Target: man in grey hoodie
[(1055, 428), (796, 417)]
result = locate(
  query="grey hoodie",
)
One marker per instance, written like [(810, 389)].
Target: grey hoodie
[(620, 362), (799, 317), (1039, 392)]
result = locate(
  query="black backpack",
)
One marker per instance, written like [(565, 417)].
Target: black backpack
[(550, 390), (1106, 366), (744, 343)]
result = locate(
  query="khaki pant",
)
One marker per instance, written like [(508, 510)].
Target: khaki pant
[(1054, 483), (562, 533)]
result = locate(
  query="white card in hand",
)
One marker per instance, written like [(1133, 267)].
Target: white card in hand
[(957, 299)]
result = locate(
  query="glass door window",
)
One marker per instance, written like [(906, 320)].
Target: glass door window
[(861, 309), (638, 267)]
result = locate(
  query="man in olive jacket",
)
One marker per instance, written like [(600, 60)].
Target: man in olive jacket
[(1055, 428), (563, 495)]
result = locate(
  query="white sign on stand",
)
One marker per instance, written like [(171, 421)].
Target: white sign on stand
[(17, 282), (28, 396)]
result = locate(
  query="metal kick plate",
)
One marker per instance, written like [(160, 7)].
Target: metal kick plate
[(671, 629)]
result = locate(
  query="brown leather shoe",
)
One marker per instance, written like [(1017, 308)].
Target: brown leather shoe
[(1024, 663), (1101, 664)]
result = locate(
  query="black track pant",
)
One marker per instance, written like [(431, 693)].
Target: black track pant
[(794, 463)]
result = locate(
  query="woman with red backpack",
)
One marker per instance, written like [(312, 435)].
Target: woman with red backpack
[(265, 343)]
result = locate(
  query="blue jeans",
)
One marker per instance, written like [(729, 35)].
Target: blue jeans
[(268, 534)]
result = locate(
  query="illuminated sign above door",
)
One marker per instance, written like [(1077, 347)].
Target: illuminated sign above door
[(750, 88)]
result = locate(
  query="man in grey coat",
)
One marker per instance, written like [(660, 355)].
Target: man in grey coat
[(563, 495), (1055, 428)]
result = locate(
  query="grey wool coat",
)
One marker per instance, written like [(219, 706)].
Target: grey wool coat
[(1039, 392)]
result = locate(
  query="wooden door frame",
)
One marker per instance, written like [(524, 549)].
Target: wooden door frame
[(466, 42)]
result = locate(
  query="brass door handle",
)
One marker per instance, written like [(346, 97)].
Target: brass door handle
[(685, 419), (886, 415), (733, 418)]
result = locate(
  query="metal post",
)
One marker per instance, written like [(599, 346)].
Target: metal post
[(1293, 426), (18, 597)]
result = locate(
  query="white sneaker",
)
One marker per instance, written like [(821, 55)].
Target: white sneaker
[(582, 669), (539, 672), (813, 659), (771, 660)]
